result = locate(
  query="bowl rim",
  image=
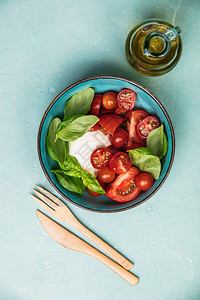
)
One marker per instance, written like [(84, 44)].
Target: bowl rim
[(95, 78)]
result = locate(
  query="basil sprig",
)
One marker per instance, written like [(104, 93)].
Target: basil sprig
[(75, 124)]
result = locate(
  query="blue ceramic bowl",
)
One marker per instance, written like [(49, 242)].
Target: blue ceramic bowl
[(145, 100)]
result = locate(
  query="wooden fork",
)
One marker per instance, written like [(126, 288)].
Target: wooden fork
[(59, 209)]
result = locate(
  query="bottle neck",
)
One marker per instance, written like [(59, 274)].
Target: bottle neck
[(164, 39)]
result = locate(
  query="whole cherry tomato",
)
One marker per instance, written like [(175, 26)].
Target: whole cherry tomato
[(119, 138), (144, 181), (109, 100), (105, 175)]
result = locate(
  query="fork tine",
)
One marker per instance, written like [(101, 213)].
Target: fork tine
[(45, 199), (51, 196), (44, 205)]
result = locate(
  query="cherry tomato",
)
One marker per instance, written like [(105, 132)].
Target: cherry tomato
[(119, 110), (145, 126), (103, 130), (95, 106), (119, 138), (132, 119), (106, 175), (104, 111), (94, 194), (95, 127), (138, 140), (100, 158), (109, 100), (120, 162), (110, 122), (123, 189), (133, 146), (113, 149), (144, 181), (126, 99)]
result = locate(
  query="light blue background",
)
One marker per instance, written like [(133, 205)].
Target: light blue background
[(45, 46)]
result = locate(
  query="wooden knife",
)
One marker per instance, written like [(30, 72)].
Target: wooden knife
[(73, 242)]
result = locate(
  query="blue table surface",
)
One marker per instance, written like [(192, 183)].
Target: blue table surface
[(45, 46)]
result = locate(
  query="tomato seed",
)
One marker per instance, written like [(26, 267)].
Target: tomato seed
[(128, 189)]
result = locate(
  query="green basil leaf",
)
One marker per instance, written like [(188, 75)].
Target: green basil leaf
[(146, 162), (50, 149), (77, 128), (67, 121), (143, 150), (71, 167), (79, 103), (71, 162), (73, 172), (57, 150), (157, 141), (165, 145), (69, 182), (91, 183)]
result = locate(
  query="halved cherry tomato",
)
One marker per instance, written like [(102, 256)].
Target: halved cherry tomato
[(109, 100), (119, 110), (110, 122), (95, 106), (132, 119), (106, 175), (94, 194), (133, 146), (144, 181), (104, 111), (95, 127), (120, 162), (123, 189), (145, 126), (100, 158), (126, 99), (119, 138)]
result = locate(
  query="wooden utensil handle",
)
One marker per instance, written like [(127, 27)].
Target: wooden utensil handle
[(120, 259), (125, 274)]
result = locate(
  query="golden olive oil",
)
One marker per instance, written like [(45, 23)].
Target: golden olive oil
[(161, 55)]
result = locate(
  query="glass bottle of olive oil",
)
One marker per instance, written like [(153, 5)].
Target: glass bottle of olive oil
[(154, 47)]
